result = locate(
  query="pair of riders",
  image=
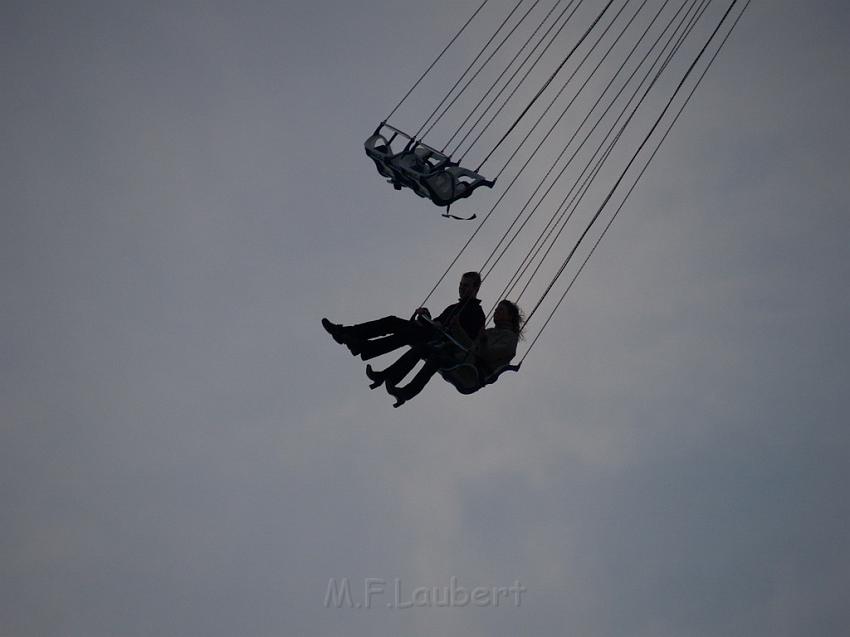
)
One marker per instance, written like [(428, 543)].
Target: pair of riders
[(476, 352)]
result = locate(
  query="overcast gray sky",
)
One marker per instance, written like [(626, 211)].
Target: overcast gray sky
[(184, 452)]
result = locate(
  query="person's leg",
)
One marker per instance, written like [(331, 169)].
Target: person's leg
[(377, 346), (378, 327), (416, 385), (408, 334), (388, 325), (396, 372)]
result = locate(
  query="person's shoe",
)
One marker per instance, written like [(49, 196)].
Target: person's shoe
[(335, 330), (399, 393), (377, 378)]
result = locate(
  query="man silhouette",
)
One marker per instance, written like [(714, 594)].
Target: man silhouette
[(386, 334)]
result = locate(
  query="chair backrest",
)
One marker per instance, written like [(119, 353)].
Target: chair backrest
[(379, 148), (379, 145)]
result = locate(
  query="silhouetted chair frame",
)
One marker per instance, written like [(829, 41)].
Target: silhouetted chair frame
[(457, 363), (425, 170)]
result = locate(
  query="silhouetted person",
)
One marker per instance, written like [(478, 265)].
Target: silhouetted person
[(463, 319)]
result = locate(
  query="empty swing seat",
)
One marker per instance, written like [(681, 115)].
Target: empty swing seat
[(452, 183), (425, 170), (379, 147)]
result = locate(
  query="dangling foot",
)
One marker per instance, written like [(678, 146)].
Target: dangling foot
[(377, 378), (336, 330), (400, 394)]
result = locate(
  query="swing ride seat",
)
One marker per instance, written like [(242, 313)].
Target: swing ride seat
[(466, 377), (425, 170), (410, 166), (457, 365), (379, 148), (452, 183)]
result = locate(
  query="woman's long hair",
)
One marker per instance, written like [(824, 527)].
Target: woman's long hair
[(516, 315)]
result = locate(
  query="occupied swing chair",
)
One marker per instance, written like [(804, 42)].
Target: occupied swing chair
[(458, 362)]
